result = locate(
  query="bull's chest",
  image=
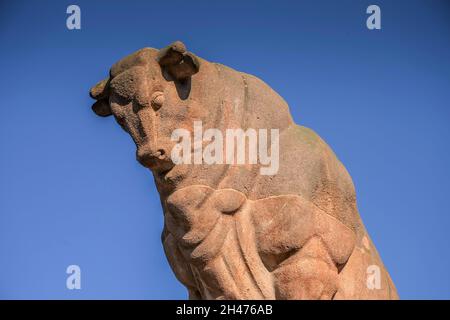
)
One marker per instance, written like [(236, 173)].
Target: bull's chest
[(213, 231), (227, 240)]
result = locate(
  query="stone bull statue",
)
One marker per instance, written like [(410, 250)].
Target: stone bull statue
[(231, 232)]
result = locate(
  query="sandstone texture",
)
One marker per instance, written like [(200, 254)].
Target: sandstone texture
[(231, 232)]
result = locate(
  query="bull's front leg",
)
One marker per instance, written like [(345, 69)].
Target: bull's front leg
[(309, 274), (202, 238), (180, 267), (213, 232), (302, 247)]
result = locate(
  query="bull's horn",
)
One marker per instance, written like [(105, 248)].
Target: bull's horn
[(179, 63)]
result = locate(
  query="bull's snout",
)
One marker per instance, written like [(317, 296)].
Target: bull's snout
[(157, 160)]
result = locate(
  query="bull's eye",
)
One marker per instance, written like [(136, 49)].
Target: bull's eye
[(157, 100)]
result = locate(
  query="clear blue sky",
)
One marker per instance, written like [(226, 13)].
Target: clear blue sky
[(71, 191)]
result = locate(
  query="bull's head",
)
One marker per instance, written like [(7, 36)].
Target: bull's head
[(144, 90)]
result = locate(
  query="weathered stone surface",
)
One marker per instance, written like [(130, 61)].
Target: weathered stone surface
[(231, 232)]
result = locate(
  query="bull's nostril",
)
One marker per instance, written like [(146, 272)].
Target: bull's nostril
[(160, 153)]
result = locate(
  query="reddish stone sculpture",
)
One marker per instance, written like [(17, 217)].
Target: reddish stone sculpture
[(231, 232)]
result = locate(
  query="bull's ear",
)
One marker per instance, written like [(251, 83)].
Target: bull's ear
[(99, 92), (102, 108), (177, 62)]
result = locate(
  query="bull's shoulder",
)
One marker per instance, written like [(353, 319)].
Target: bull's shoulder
[(309, 168), (254, 102), (332, 189)]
